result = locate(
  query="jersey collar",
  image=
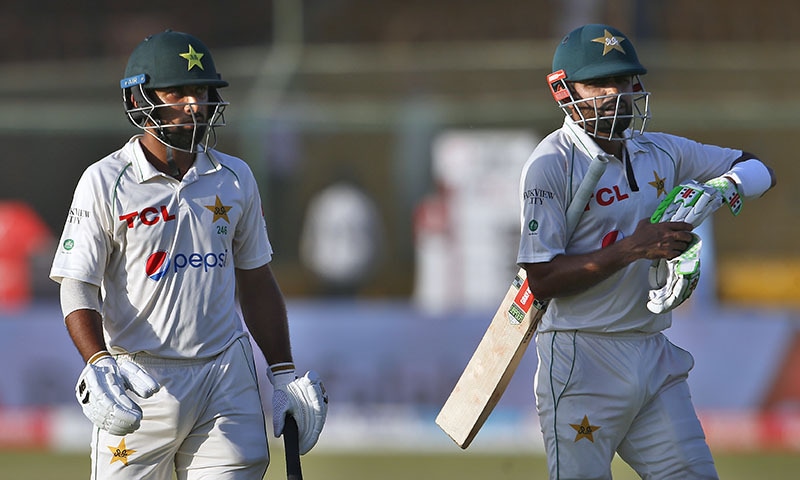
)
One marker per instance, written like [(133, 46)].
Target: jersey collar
[(204, 163), (582, 139), (636, 145)]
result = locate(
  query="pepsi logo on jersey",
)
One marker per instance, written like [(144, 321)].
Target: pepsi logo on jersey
[(158, 263)]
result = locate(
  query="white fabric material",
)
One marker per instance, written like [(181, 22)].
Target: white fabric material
[(632, 391), (752, 176), (77, 295), (154, 243), (552, 173), (206, 422), (305, 399)]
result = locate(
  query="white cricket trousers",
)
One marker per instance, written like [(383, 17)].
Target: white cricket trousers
[(206, 422), (597, 394)]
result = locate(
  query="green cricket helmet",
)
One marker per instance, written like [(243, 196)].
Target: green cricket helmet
[(593, 52), (173, 59)]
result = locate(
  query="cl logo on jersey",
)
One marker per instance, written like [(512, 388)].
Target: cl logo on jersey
[(148, 216), (607, 196), (159, 263)]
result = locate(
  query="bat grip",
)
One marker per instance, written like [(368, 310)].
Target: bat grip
[(291, 445)]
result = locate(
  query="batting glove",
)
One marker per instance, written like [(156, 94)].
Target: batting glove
[(673, 281), (304, 398), (101, 393), (693, 202)]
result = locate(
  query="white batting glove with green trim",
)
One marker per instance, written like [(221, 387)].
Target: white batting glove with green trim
[(693, 202), (673, 281)]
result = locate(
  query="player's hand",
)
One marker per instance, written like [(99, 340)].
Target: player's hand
[(655, 241), (673, 281), (305, 399), (101, 393), (693, 202)]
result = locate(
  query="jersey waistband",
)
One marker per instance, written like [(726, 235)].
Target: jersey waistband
[(626, 335), (145, 359)]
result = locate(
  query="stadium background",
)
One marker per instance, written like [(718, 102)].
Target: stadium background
[(385, 96)]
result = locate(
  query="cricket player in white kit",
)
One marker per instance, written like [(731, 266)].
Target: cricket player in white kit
[(608, 380), (161, 237)]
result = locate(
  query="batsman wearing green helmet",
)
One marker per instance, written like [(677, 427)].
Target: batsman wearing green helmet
[(608, 381), (164, 266)]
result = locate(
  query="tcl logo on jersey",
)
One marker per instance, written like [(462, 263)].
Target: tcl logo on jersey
[(148, 216), (159, 263), (607, 196)]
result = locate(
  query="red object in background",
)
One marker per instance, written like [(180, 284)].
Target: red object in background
[(785, 392), (22, 234), (26, 428)]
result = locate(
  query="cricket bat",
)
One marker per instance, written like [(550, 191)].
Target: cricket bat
[(291, 447), (502, 347)]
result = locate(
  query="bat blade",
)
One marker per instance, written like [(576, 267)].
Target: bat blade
[(493, 364), (291, 446), (502, 347)]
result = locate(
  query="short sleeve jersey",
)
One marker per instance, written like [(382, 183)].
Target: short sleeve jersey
[(163, 251), (629, 191)]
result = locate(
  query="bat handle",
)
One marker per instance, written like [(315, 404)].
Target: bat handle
[(291, 445)]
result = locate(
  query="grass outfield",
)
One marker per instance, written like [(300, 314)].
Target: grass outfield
[(402, 466)]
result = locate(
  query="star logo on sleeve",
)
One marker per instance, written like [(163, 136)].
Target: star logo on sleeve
[(610, 42), (220, 210), (120, 453), (585, 429), (658, 184), (193, 58)]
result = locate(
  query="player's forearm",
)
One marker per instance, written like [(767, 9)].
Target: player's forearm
[(571, 274), (264, 311), (568, 275), (270, 331), (85, 327)]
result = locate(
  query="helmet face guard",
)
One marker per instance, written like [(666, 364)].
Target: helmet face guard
[(627, 118), (166, 60), (593, 52), (187, 137)]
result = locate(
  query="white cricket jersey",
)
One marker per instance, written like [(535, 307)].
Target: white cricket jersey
[(623, 196), (164, 250)]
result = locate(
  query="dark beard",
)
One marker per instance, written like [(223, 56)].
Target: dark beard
[(181, 138), (622, 124), (605, 125)]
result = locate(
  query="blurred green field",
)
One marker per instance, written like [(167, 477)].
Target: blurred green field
[(404, 466)]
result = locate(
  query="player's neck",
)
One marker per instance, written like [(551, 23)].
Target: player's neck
[(613, 147), (170, 161)]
